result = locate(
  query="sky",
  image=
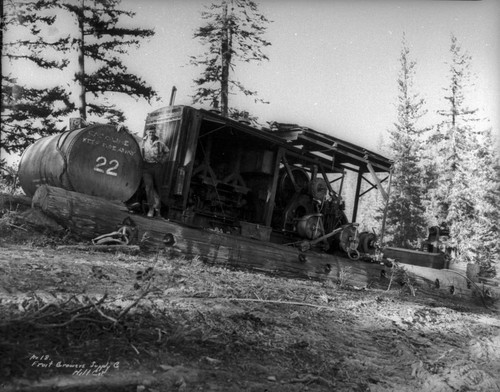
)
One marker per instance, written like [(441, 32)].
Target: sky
[(333, 64)]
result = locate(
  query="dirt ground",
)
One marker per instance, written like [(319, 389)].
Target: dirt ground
[(74, 320)]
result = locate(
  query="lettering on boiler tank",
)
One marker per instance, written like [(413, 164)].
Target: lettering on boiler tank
[(107, 142), (110, 143)]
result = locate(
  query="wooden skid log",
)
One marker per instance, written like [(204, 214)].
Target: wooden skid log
[(12, 202), (417, 258), (89, 217)]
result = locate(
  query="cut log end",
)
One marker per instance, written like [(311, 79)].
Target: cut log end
[(40, 198)]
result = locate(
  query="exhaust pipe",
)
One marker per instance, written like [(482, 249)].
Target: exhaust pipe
[(172, 96)]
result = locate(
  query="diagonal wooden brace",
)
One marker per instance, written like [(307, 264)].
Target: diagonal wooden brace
[(376, 179)]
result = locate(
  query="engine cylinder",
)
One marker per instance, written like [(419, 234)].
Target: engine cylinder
[(95, 160)]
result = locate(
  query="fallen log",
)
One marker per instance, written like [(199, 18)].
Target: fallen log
[(85, 215), (37, 220), (13, 202), (89, 216)]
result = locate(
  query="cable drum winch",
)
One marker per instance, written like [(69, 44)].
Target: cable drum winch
[(310, 226), (349, 240)]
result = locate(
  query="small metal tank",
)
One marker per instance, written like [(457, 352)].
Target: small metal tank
[(96, 160)]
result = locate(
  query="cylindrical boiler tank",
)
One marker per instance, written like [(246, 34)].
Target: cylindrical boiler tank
[(96, 160)]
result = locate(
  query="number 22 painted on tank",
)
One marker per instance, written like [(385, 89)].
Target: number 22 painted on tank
[(111, 170)]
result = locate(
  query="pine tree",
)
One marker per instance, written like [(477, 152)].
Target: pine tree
[(488, 212), (466, 191), (405, 212), (100, 43), (29, 113), (453, 137), (233, 32), (487, 195), (473, 213)]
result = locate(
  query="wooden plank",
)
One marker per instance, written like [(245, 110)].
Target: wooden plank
[(345, 151), (415, 257), (313, 144)]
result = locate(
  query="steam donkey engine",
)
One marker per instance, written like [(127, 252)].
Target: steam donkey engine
[(270, 184)]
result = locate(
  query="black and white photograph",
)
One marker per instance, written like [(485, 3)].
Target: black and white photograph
[(250, 195)]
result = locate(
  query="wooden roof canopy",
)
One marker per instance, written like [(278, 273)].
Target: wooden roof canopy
[(306, 142)]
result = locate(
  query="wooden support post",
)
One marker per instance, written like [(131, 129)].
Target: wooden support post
[(384, 218), (342, 182), (189, 157), (356, 197), (327, 181), (268, 212), (289, 171)]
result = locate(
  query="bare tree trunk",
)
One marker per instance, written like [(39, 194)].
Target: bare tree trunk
[(80, 76), (226, 61)]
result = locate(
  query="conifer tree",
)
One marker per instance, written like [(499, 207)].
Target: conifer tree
[(405, 212), (27, 112), (100, 42), (488, 161), (233, 32), (466, 189), (454, 136), (474, 199)]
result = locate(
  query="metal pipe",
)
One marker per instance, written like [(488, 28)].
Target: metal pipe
[(172, 96)]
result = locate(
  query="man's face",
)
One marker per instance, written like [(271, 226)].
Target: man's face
[(151, 133)]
